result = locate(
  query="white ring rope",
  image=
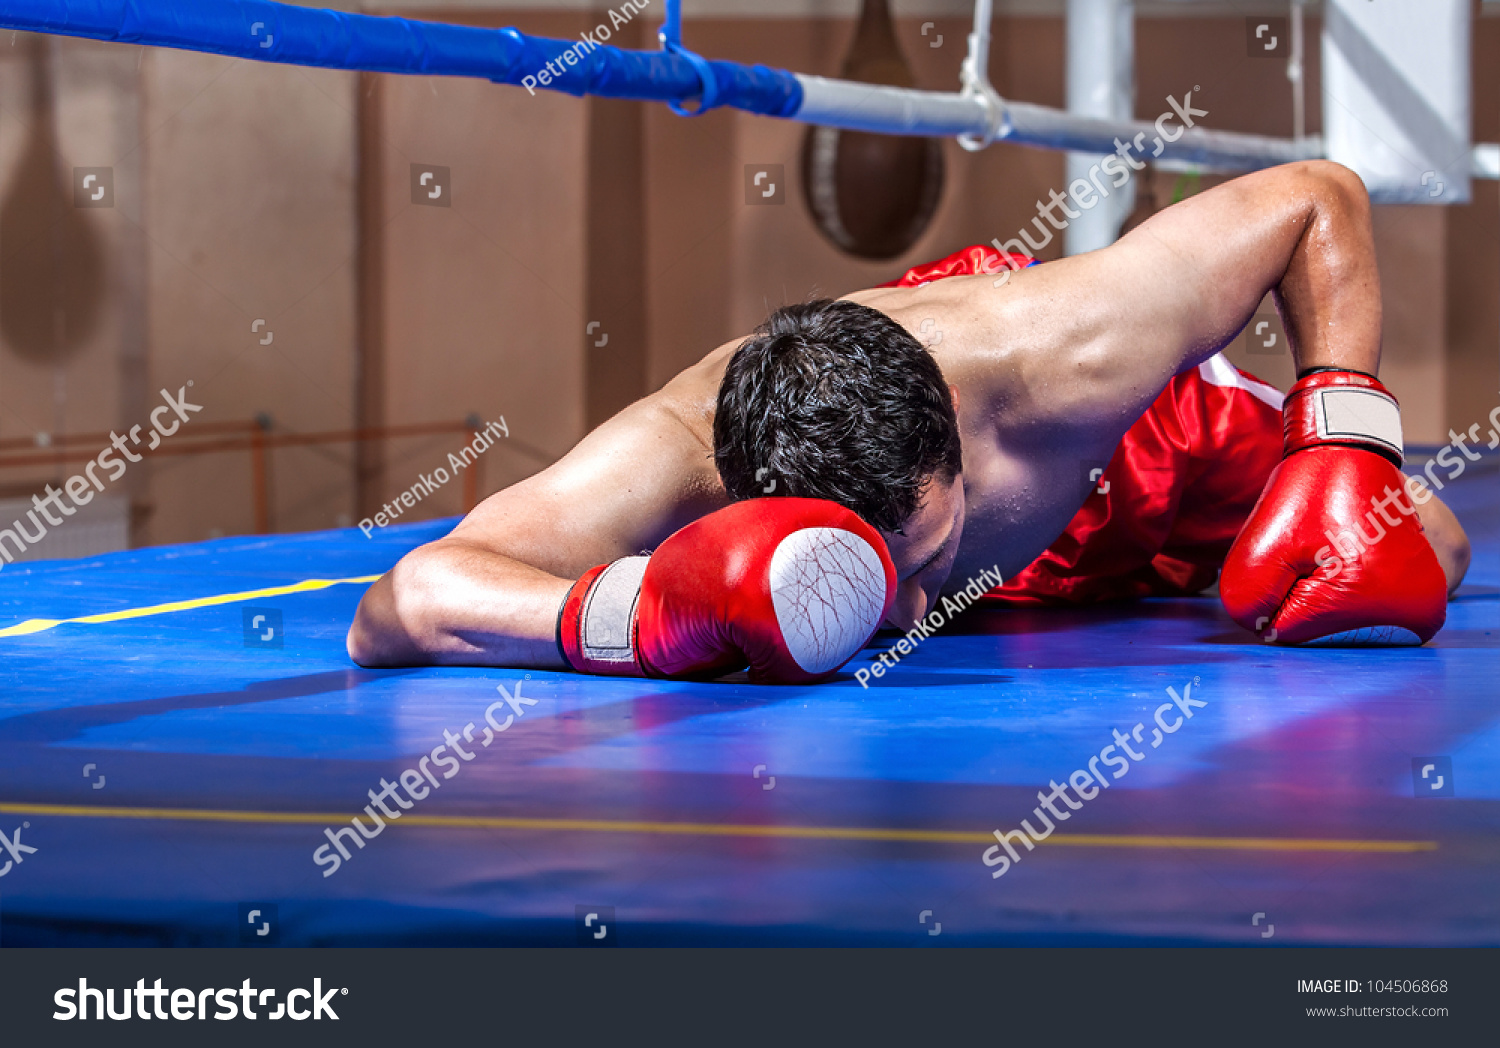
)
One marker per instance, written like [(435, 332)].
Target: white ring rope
[(978, 116)]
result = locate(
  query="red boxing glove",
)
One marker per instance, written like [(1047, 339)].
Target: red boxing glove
[(792, 586), (1334, 551)]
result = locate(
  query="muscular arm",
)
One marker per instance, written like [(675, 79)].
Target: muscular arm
[(1301, 231), (488, 593), (1100, 334)]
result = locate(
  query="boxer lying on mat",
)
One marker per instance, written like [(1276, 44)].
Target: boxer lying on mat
[(910, 469)]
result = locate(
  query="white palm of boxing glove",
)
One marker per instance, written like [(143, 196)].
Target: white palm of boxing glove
[(794, 587)]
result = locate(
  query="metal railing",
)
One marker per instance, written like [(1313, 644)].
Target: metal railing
[(252, 435)]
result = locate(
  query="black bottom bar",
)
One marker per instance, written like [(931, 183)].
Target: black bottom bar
[(1091, 995)]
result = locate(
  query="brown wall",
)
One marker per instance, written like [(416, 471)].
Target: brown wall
[(1440, 268), (718, 265), (83, 369), (1472, 262), (249, 214), (232, 202), (482, 304), (248, 191)]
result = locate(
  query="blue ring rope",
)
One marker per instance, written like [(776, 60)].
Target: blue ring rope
[(671, 40), (264, 31)]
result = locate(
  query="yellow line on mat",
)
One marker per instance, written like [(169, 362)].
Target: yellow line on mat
[(714, 829), (21, 629)]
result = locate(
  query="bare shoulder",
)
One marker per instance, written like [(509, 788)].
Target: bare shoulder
[(626, 486), (1080, 347), (1015, 345), (1011, 352)]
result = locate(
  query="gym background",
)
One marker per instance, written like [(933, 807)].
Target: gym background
[(587, 250)]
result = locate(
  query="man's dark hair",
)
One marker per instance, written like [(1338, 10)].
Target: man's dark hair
[(836, 401)]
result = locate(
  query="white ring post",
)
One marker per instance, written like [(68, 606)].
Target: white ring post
[(1296, 72), (1396, 87), (1101, 84)]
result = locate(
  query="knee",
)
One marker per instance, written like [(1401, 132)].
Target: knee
[(1450, 543), (1454, 556)]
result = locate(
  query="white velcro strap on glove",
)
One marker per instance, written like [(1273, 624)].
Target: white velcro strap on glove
[(608, 614), (1350, 413)]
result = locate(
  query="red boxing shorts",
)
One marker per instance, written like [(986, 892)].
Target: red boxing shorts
[(1160, 519)]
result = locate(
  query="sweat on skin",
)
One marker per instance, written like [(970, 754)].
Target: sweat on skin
[(81, 488)]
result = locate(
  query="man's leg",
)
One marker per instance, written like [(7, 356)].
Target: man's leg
[(1448, 539)]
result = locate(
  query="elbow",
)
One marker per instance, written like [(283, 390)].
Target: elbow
[(381, 636), (359, 644), (363, 640), (1332, 184), (394, 623)]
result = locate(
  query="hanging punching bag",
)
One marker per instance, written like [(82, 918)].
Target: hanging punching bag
[(51, 263), (872, 195)]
